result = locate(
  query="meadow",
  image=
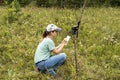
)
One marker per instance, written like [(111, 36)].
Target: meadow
[(98, 43)]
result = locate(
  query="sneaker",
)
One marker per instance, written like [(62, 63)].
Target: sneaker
[(51, 71), (55, 69)]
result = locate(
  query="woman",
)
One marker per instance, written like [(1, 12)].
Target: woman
[(43, 59)]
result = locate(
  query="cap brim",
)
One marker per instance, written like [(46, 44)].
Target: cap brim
[(58, 29)]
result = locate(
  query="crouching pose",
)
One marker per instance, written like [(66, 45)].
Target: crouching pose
[(43, 59)]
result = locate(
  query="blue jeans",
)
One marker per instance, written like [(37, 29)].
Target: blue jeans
[(52, 62)]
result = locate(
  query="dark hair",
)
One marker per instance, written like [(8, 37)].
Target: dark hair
[(45, 33)]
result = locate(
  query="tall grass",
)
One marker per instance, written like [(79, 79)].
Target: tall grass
[(98, 45)]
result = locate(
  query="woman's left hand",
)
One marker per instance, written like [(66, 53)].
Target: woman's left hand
[(65, 41)]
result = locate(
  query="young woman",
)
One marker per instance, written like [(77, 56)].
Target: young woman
[(43, 59)]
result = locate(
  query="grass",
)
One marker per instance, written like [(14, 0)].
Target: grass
[(98, 45)]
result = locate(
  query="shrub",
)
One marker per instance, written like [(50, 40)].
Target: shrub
[(11, 12), (22, 2)]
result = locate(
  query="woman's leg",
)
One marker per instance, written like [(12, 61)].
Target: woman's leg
[(55, 61), (52, 63), (41, 66)]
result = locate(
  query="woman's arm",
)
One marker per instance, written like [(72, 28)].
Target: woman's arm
[(59, 48)]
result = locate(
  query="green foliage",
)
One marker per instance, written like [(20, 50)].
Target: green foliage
[(68, 3), (22, 2), (8, 2), (11, 13), (115, 2), (42, 2), (46, 3), (77, 3), (74, 3), (98, 44)]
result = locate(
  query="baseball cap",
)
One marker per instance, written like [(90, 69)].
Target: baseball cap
[(53, 27)]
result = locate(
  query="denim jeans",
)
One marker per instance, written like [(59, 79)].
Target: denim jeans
[(52, 62)]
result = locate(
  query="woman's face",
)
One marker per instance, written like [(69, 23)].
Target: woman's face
[(54, 33)]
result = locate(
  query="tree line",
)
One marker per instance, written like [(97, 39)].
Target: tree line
[(66, 3)]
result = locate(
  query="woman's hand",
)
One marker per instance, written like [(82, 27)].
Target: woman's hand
[(65, 41), (60, 46)]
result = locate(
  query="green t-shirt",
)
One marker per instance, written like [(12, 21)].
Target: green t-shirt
[(44, 49)]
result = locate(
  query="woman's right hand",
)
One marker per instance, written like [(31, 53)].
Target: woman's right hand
[(65, 41)]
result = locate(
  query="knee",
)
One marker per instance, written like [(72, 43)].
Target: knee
[(63, 56)]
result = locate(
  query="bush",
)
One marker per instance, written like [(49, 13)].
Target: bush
[(43, 3), (115, 2), (22, 2), (77, 3), (11, 12)]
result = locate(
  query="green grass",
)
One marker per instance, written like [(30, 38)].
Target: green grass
[(98, 45)]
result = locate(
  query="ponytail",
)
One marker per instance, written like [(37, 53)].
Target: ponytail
[(45, 33)]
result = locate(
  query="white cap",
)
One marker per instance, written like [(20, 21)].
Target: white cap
[(53, 27)]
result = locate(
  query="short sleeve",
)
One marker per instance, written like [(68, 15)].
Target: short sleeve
[(51, 45)]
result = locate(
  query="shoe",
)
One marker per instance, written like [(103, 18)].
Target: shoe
[(55, 69), (51, 71)]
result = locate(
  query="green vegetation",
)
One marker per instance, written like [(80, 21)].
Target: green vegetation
[(66, 3), (98, 43), (11, 12), (77, 3)]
